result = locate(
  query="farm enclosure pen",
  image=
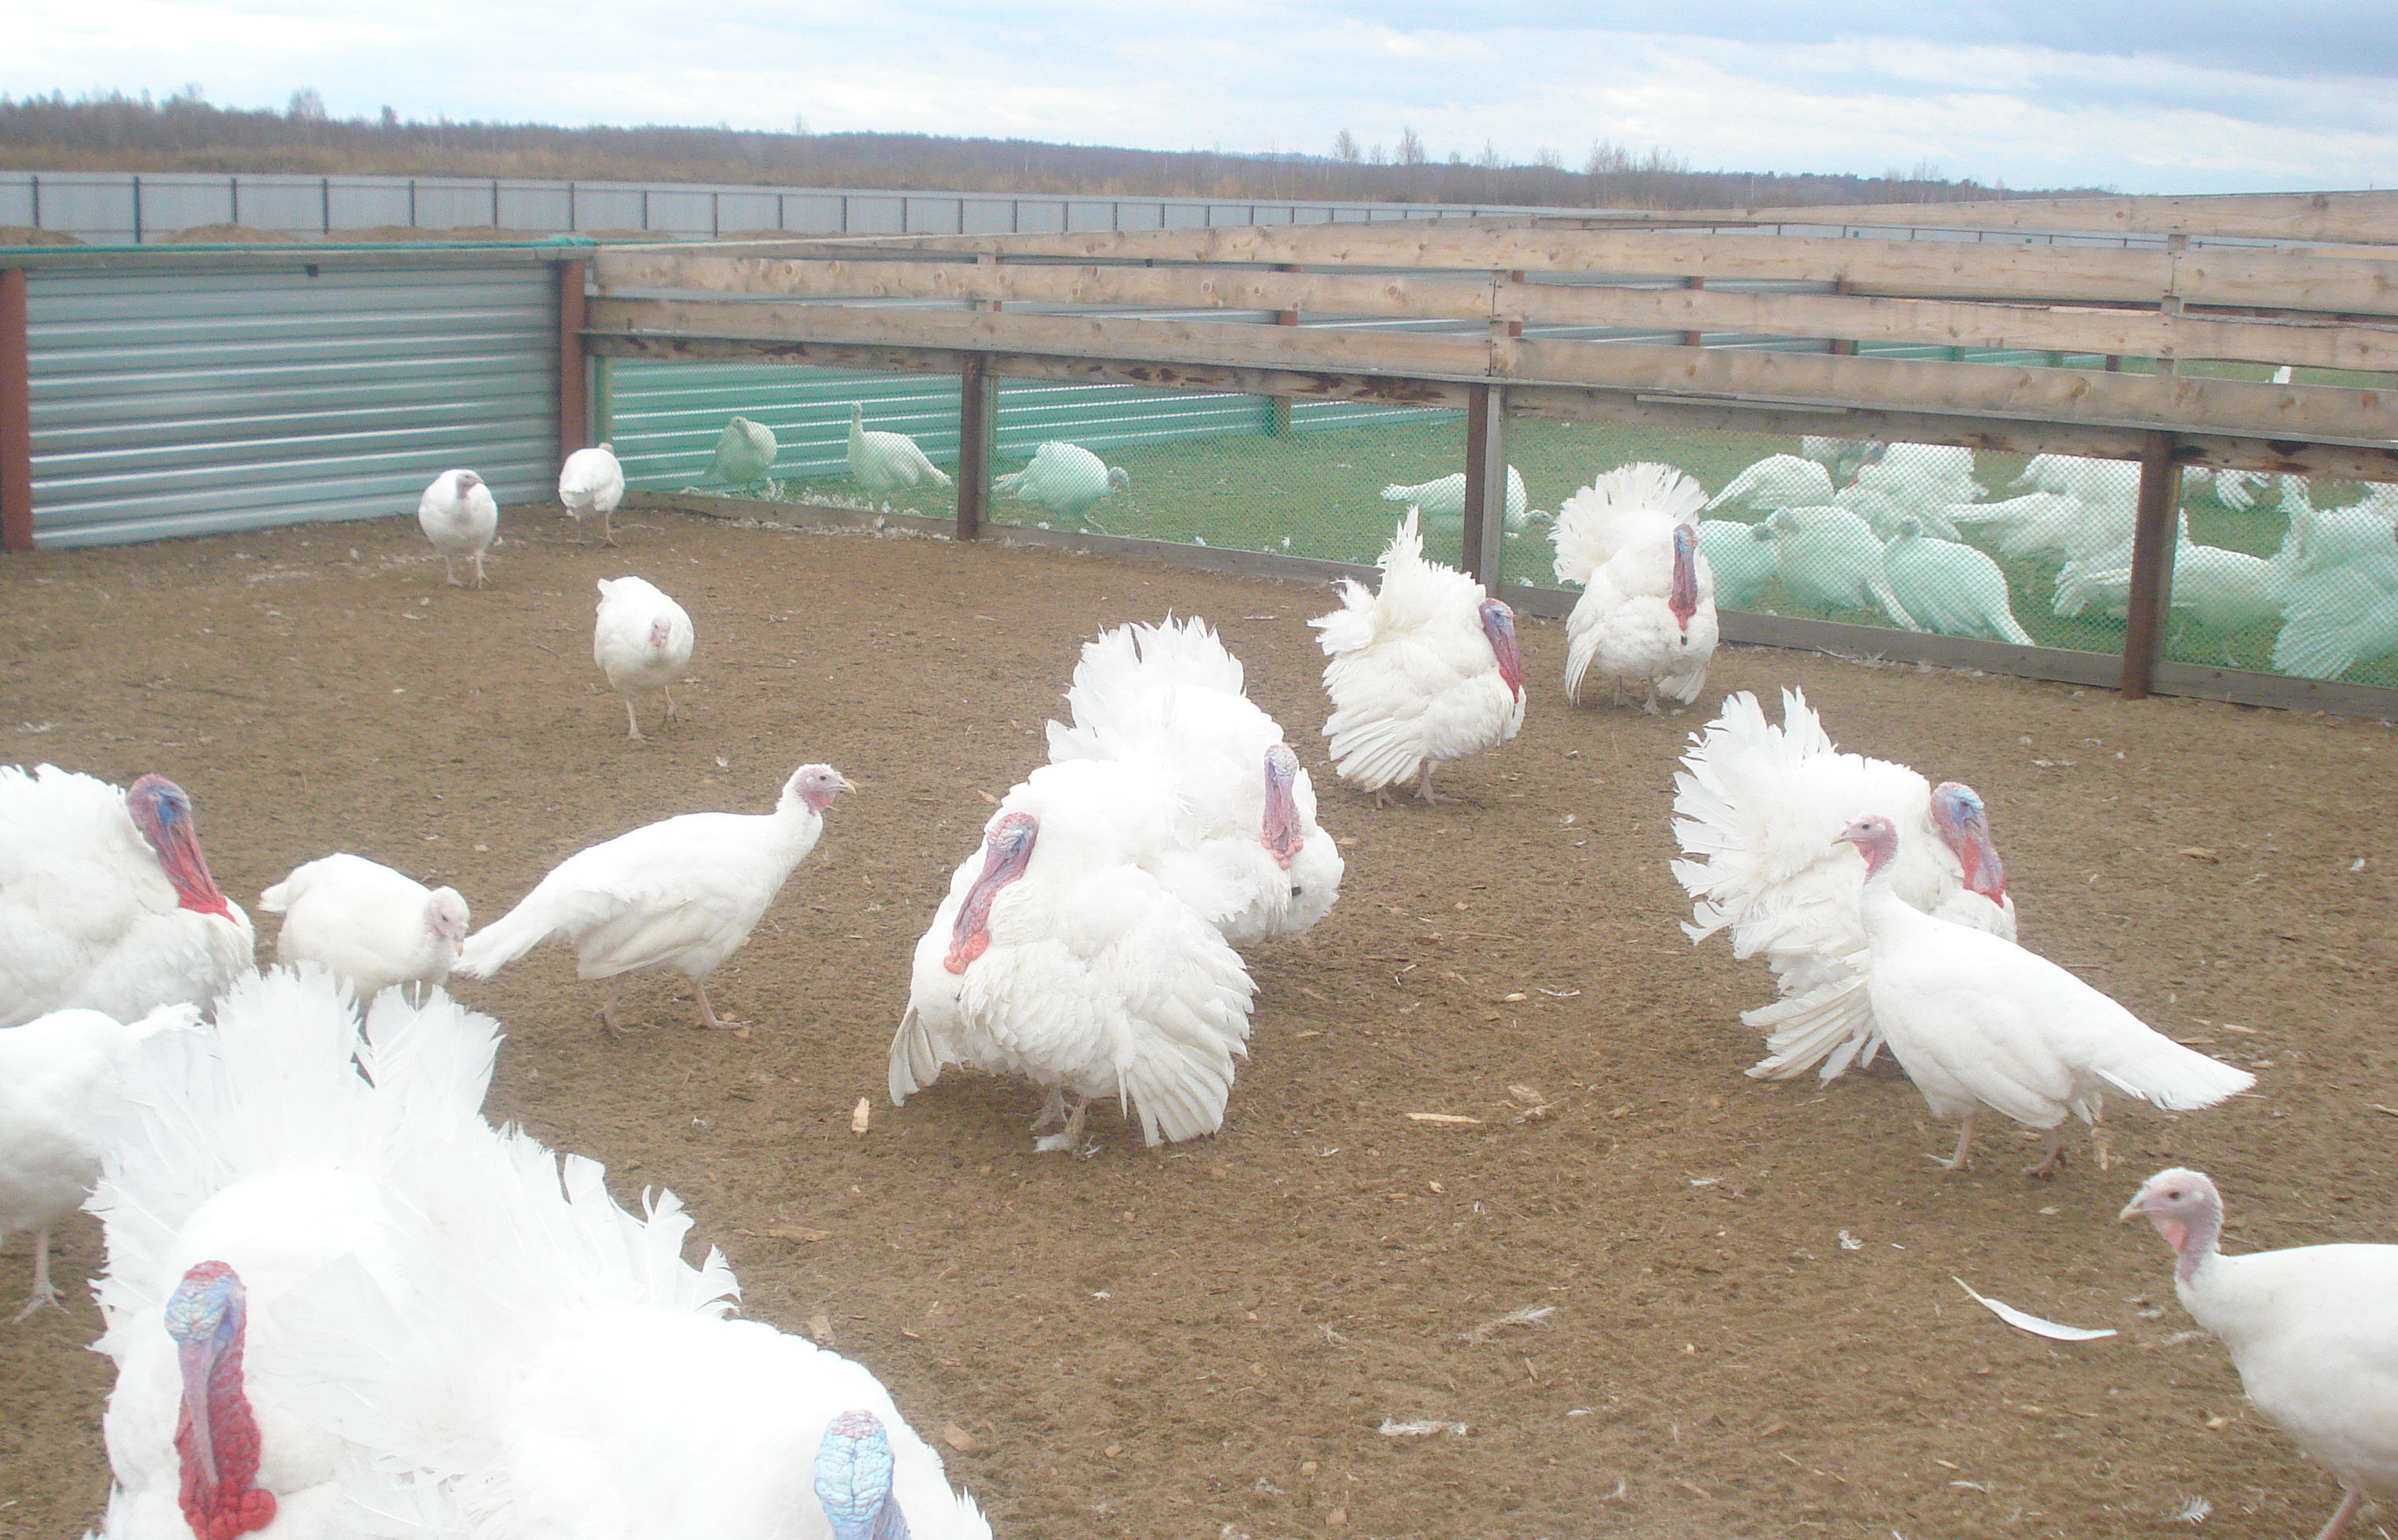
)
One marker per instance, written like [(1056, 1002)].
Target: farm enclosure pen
[(1170, 1342)]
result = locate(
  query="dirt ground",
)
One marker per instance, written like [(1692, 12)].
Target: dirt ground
[(1754, 1327)]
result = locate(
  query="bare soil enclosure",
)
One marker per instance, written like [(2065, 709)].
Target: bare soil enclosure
[(1755, 1329)]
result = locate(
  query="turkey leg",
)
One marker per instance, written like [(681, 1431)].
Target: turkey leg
[(707, 1013), (1964, 1155), (42, 1291), (1068, 1136)]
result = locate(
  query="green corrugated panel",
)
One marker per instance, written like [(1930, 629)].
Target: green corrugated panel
[(199, 403), (665, 419)]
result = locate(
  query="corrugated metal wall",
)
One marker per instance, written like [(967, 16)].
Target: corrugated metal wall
[(183, 404), (665, 418)]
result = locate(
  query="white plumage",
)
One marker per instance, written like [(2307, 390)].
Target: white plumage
[(1830, 560), (372, 926), (1060, 958), (883, 462), (1067, 479), (1759, 806), (641, 641), (2222, 590), (1247, 852), (58, 1093), (1741, 558), (1647, 615), (403, 1322), (1422, 671), (458, 516), (592, 482), (1950, 588), (1921, 479), (1776, 481), (1976, 1020), (745, 453), (1442, 501), (682, 893), (105, 900), (2313, 1330)]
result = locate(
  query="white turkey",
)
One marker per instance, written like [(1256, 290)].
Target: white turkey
[(1841, 457), (1248, 853), (1741, 558), (1950, 588), (745, 453), (641, 641), (682, 893), (886, 463), (1067, 479), (2084, 478), (1442, 501), (59, 1094), (458, 516), (1647, 615), (1424, 671), (592, 482), (2334, 622), (1978, 1022), (2363, 537), (1757, 806), (341, 1303), (1921, 479), (1777, 481), (372, 926), (105, 900), (1059, 958), (2221, 590), (2049, 523), (1830, 560), (2311, 1328)]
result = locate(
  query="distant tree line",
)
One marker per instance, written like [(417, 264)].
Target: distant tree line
[(185, 132)]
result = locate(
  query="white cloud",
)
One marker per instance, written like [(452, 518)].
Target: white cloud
[(1784, 87)]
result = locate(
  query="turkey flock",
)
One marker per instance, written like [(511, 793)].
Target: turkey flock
[(302, 1198)]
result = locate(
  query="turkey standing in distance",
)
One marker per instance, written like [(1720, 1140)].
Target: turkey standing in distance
[(745, 453), (1949, 587), (883, 462), (106, 902), (372, 926), (1743, 558), (1424, 670), (1059, 957), (641, 641), (458, 516), (682, 893), (1979, 1022), (1067, 479), (1442, 501), (1647, 614), (1830, 560), (592, 482), (2313, 1330)]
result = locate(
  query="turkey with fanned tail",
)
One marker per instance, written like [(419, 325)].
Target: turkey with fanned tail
[(1424, 671), (1059, 958), (1169, 698), (1647, 615), (1757, 807), (1978, 1022)]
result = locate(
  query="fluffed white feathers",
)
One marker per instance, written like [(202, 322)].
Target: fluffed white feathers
[(1756, 807), (1441, 500), (1414, 674), (745, 453), (1777, 481), (370, 926), (1950, 588), (1086, 976), (1064, 478), (1618, 538), (458, 516), (883, 462), (1169, 698), (641, 641), (1830, 560), (1742, 559), (592, 482), (88, 915)]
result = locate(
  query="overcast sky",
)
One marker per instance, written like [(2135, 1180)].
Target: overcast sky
[(2149, 96)]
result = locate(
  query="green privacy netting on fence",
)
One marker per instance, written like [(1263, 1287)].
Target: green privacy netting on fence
[(2271, 574)]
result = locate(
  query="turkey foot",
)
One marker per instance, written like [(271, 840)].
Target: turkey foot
[(2051, 1154), (707, 1017), (42, 1292), (1052, 1110), (1964, 1155), (1068, 1136), (1423, 786)]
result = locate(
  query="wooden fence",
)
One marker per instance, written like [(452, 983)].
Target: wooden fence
[(2306, 280)]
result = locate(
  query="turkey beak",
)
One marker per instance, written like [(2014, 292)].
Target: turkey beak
[(2133, 1211)]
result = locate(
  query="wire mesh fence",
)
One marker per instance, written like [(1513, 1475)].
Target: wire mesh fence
[(2274, 574)]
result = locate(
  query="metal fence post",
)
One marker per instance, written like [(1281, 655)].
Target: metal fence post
[(1486, 483), (975, 415), (573, 371), (2153, 538), (15, 416)]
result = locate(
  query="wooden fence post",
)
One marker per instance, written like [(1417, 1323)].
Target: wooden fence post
[(1842, 347), (2153, 538), (1694, 339), (574, 369), (1485, 484), (975, 414), (15, 416), (1280, 405)]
